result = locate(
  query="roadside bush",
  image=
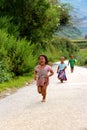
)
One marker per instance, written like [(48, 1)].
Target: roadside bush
[(65, 46), (5, 75), (82, 44), (53, 53), (22, 60), (17, 55), (82, 57), (85, 62)]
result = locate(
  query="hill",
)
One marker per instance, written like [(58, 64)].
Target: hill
[(69, 31), (79, 14)]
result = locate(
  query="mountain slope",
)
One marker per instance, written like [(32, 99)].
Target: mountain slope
[(70, 32), (79, 14)]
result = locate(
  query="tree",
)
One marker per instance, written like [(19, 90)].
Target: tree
[(37, 20)]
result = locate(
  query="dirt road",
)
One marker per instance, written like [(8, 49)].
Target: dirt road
[(65, 108)]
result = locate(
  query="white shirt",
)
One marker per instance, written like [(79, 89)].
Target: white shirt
[(62, 66)]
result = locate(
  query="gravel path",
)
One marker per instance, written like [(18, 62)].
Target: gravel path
[(65, 108)]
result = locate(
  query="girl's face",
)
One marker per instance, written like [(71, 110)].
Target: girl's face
[(42, 60), (72, 56), (62, 59)]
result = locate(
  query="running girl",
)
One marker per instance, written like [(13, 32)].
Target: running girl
[(42, 73), (61, 70)]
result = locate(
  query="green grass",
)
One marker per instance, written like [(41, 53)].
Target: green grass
[(83, 52), (17, 82), (83, 57)]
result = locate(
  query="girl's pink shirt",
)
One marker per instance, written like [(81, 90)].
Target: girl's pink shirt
[(45, 70), (42, 75)]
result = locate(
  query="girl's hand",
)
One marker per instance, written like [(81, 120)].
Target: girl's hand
[(34, 77), (47, 77)]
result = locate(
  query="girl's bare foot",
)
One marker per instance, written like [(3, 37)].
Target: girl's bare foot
[(43, 100), (61, 81)]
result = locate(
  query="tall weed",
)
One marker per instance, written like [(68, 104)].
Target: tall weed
[(8, 26), (17, 55)]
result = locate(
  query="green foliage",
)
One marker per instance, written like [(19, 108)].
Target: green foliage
[(8, 26), (5, 75), (53, 53), (85, 63), (37, 20), (82, 44), (82, 57), (40, 23), (16, 54), (64, 14), (65, 46)]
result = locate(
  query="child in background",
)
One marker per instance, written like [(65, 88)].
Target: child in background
[(42, 73), (72, 63), (61, 70)]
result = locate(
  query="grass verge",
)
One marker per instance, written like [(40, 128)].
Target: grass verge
[(17, 82)]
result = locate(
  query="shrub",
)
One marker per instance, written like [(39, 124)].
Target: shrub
[(65, 46), (17, 55), (8, 26), (5, 75), (85, 62)]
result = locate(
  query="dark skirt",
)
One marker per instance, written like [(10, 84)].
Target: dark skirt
[(62, 75)]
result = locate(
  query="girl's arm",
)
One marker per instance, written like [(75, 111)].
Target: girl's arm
[(65, 67), (51, 73), (68, 62), (57, 69), (35, 74)]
